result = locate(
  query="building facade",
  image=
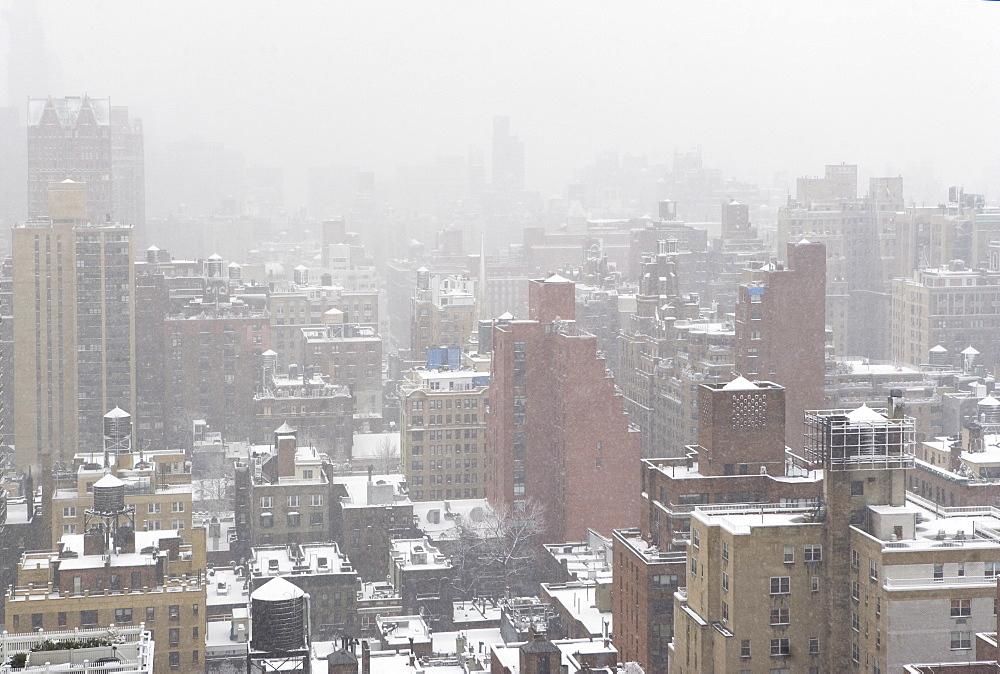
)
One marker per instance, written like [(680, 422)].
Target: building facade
[(556, 427)]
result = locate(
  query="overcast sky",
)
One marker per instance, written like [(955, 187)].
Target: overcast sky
[(761, 86)]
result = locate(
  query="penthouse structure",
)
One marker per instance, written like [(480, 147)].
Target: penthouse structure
[(424, 579), (555, 426), (443, 433)]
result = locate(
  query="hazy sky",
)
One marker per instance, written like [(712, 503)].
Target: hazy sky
[(760, 85)]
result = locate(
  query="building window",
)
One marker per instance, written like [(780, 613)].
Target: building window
[(780, 584), (88, 618), (62, 618), (694, 566), (990, 569), (779, 647), (177, 507), (175, 637), (174, 612), (695, 538), (815, 583), (873, 569), (153, 508), (175, 660), (779, 615), (813, 645), (725, 551), (745, 648), (69, 528), (813, 553), (725, 582), (293, 501), (725, 612), (857, 488), (939, 572), (294, 519), (855, 559), (177, 524), (307, 474), (123, 615), (789, 554), (150, 614), (316, 500), (855, 622), (69, 511), (855, 590), (266, 520), (36, 621), (961, 641), (855, 652), (315, 518), (961, 608), (266, 502)]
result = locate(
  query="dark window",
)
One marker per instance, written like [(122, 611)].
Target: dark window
[(175, 636), (88, 618), (123, 615), (36, 621), (175, 660), (174, 612), (150, 614)]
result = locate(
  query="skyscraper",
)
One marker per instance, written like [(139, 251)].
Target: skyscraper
[(74, 328), (508, 158), (87, 140)]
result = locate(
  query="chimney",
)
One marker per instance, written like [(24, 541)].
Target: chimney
[(285, 442), (896, 403), (366, 658)]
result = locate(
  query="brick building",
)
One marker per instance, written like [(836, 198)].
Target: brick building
[(83, 585), (741, 458), (424, 579), (443, 433), (556, 431), (350, 355), (781, 329), (321, 570)]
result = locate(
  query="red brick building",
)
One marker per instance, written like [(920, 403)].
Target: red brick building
[(781, 329), (556, 431)]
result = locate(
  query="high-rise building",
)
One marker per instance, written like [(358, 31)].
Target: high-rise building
[(507, 158), (557, 434), (781, 329), (74, 328), (87, 140)]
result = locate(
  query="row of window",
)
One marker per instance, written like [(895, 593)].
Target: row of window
[(469, 404), (91, 618), (292, 519), (779, 647), (315, 500), (435, 494), (150, 525)]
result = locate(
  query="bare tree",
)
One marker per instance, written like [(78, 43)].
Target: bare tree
[(386, 457), (498, 556)]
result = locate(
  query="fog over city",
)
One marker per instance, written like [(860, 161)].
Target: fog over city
[(892, 86), (512, 337)]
